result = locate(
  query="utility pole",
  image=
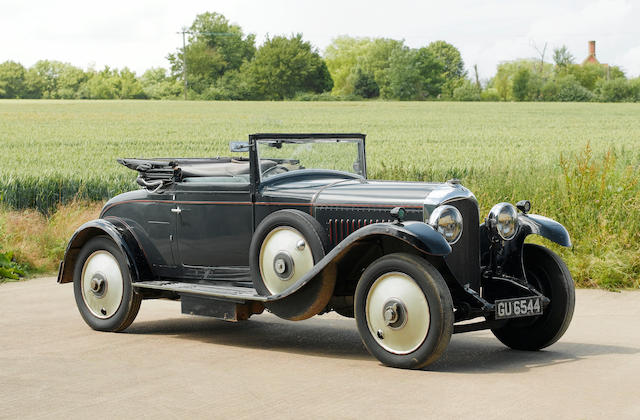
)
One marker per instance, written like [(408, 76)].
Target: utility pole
[(475, 69), (184, 61), (184, 31)]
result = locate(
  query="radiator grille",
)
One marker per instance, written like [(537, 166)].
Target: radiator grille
[(464, 260), (339, 229)]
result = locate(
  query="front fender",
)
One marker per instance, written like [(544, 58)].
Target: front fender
[(416, 234), (511, 257), (119, 232), (545, 227)]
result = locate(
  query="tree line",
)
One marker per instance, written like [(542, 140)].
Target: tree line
[(224, 63)]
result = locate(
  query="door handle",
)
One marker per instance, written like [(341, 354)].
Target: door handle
[(177, 210)]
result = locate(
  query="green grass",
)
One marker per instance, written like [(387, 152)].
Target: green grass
[(55, 150)]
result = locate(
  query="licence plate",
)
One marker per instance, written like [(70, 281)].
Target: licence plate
[(518, 307)]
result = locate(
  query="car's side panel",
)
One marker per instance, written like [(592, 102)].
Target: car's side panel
[(215, 224)]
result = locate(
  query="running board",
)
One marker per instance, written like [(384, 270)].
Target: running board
[(218, 290), (218, 300)]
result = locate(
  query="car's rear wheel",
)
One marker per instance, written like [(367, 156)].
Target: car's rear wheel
[(285, 247), (404, 311), (102, 286), (549, 274)]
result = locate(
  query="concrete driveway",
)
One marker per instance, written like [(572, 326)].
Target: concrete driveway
[(53, 365)]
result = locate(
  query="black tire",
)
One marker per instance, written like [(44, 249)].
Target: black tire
[(129, 303), (312, 297), (436, 294), (310, 228), (545, 271)]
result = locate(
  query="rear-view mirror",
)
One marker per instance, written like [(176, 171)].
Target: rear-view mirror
[(239, 146)]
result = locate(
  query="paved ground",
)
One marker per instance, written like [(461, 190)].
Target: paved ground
[(171, 365)]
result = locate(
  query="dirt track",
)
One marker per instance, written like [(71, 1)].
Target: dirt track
[(172, 365)]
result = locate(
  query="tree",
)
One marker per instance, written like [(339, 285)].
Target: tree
[(12, 77), (345, 55), (562, 57), (453, 70), (129, 86), (587, 74), (365, 84), (100, 85), (468, 91), (156, 84), (521, 84), (414, 74), (285, 66), (55, 80), (215, 46), (504, 78)]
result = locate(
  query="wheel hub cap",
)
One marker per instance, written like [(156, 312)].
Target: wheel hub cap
[(283, 265), (284, 258), (98, 284), (397, 313), (102, 284)]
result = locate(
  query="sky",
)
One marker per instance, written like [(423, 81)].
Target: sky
[(140, 33)]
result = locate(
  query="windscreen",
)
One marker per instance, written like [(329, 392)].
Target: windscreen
[(287, 155)]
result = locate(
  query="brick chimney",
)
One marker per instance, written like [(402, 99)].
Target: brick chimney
[(591, 58)]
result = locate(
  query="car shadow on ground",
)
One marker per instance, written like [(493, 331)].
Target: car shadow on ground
[(318, 337), (476, 352), (482, 354)]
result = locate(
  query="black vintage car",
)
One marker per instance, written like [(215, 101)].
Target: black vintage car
[(298, 229)]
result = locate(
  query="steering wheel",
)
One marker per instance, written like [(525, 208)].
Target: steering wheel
[(280, 168)]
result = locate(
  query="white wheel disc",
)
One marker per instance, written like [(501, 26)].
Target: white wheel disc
[(285, 256), (397, 313), (102, 284)]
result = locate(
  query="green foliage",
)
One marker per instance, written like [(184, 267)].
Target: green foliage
[(468, 91), (56, 80), (9, 268), (414, 74), (325, 97), (285, 66), (520, 86), (214, 47), (570, 90), (345, 55), (453, 71), (587, 74), (490, 95), (156, 84), (563, 58), (530, 77), (365, 85), (601, 200), (616, 90), (12, 79)]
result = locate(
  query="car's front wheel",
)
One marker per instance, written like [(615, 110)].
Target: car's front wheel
[(549, 274), (404, 311), (102, 286)]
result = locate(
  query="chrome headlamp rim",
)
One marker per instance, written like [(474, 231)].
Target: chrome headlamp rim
[(446, 210), (504, 215)]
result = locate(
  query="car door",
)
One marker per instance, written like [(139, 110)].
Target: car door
[(214, 223)]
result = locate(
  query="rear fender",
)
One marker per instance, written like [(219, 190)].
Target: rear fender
[(118, 230)]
